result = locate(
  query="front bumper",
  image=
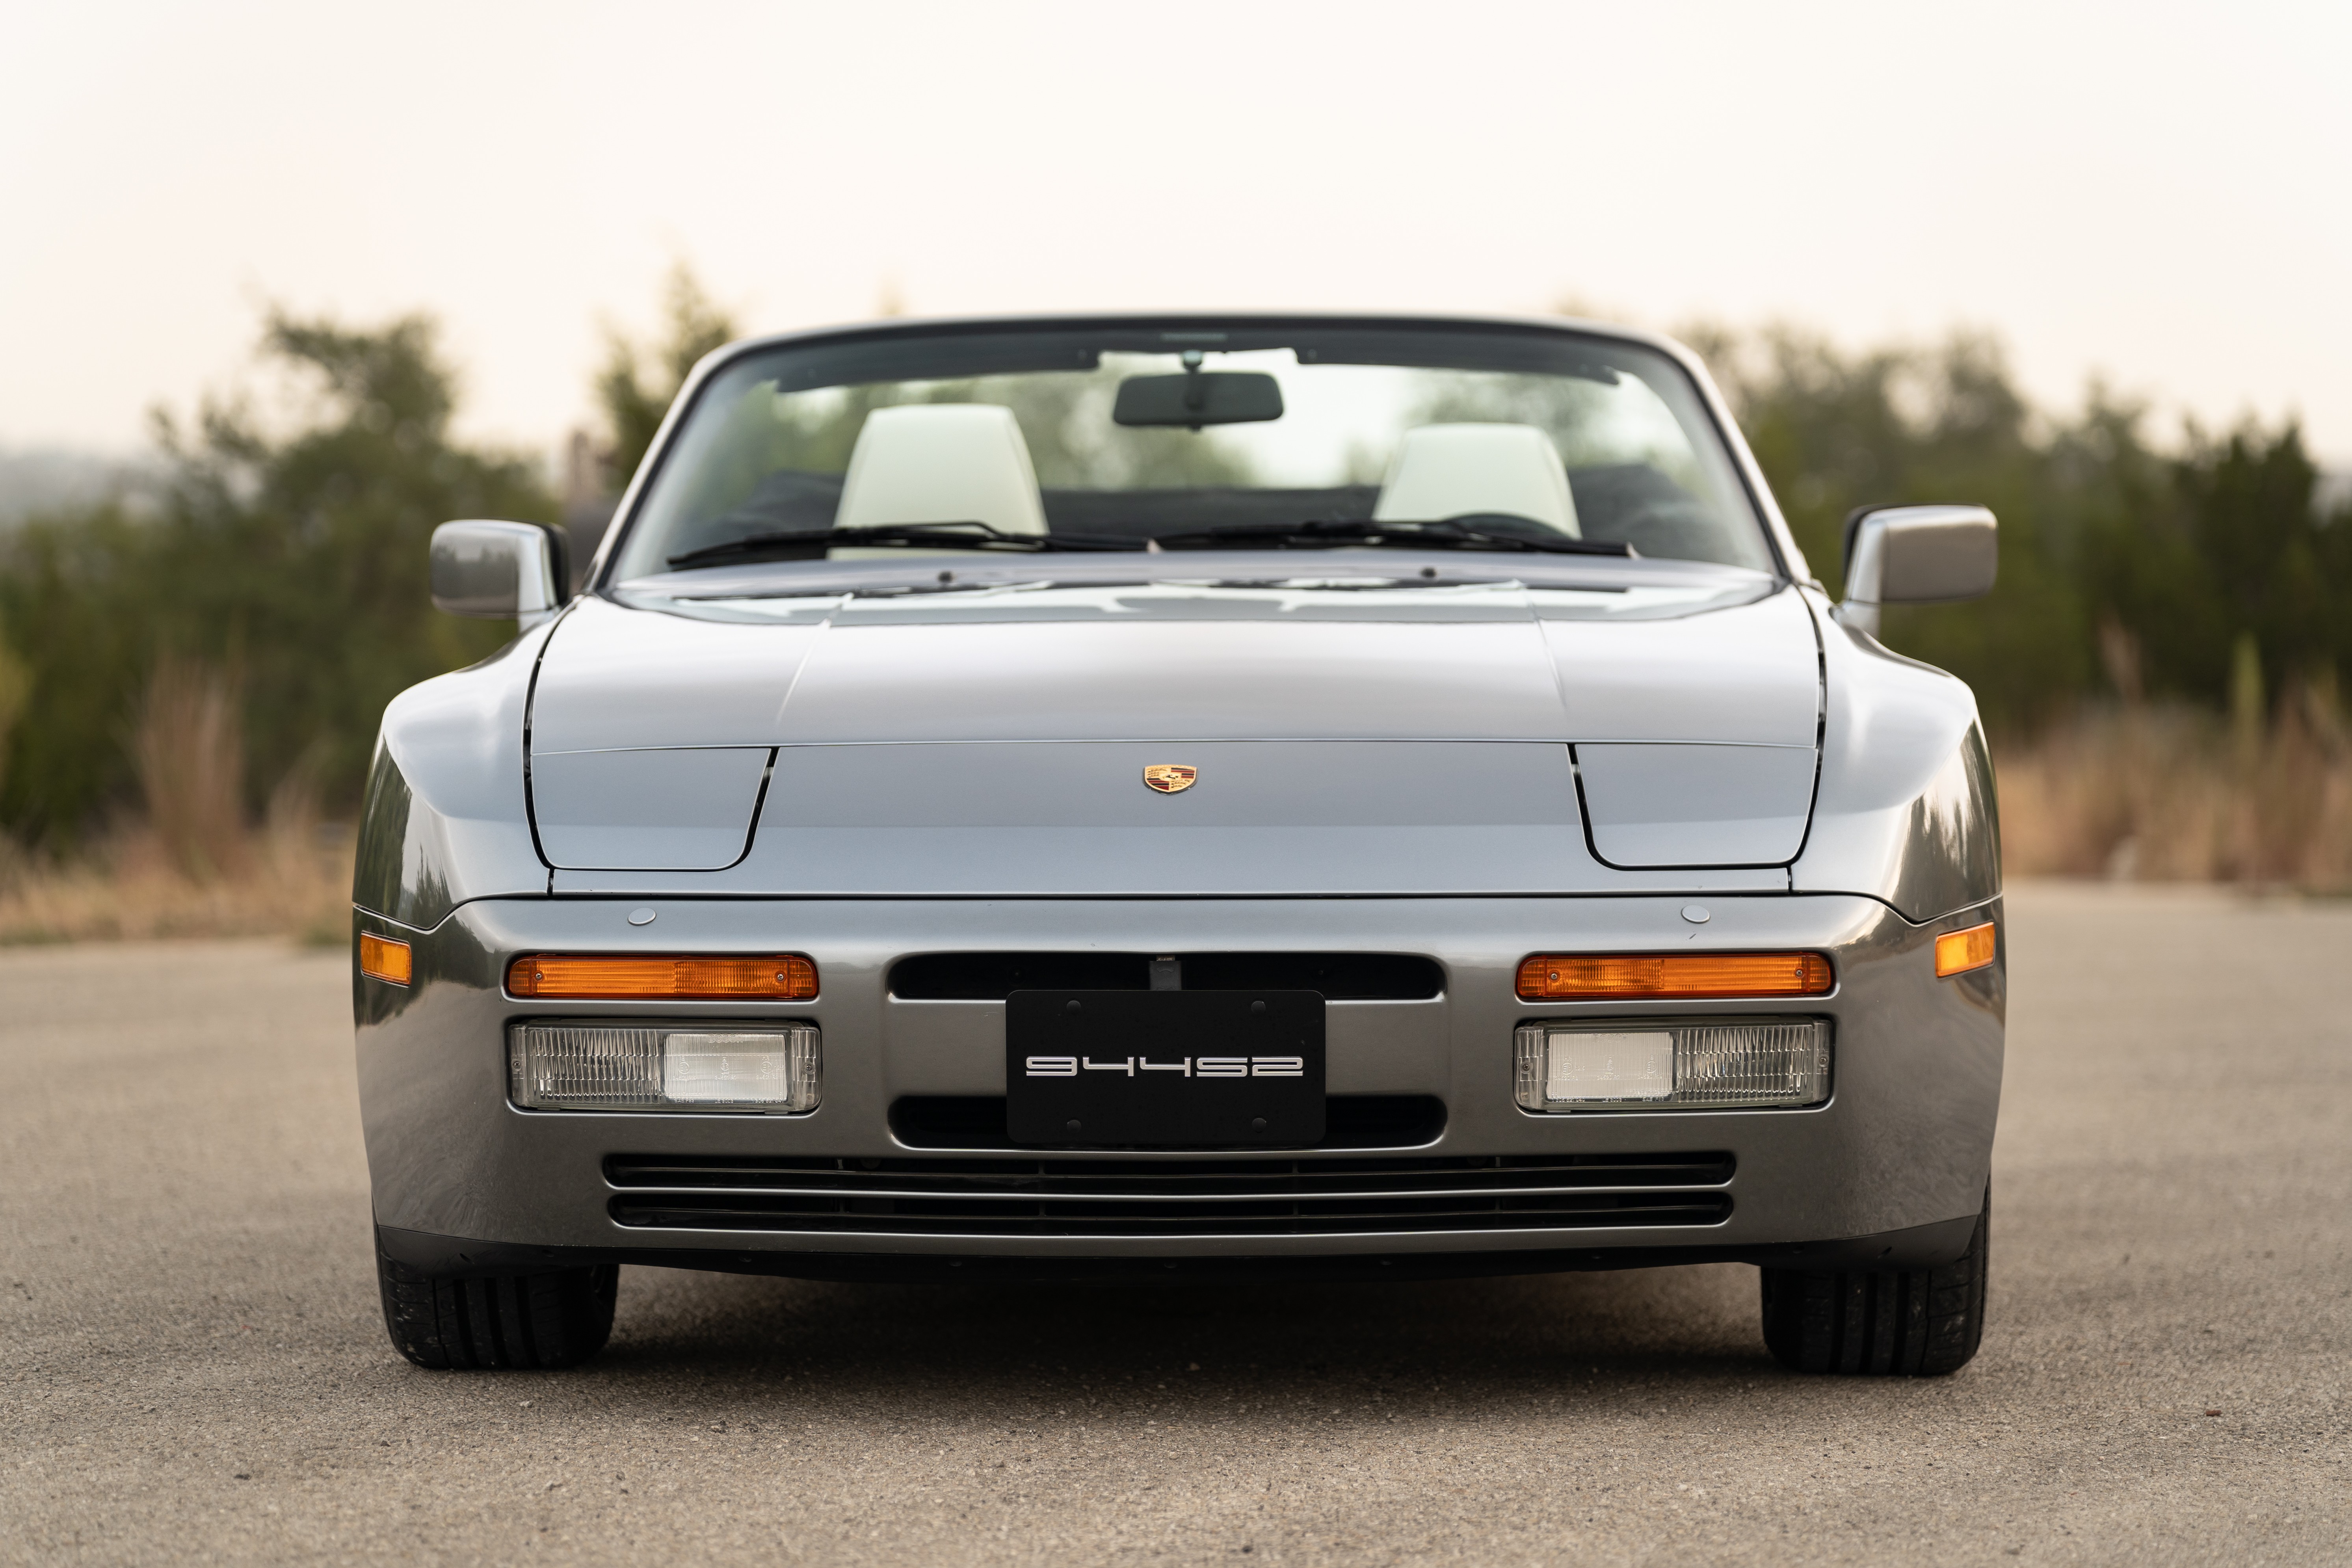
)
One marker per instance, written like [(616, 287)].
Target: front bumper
[(1892, 1169)]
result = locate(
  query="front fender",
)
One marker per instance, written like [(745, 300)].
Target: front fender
[(1904, 811), (446, 819)]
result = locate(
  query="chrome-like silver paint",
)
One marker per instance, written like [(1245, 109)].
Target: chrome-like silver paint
[(625, 678), (1266, 817), (495, 571), (446, 820), (688, 809), (1360, 669), (1696, 804), (1295, 787), (1918, 555), (1041, 714), (1058, 818), (1746, 674), (1904, 1141), (1906, 808)]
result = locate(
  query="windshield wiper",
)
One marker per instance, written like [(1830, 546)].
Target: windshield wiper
[(955, 536), (1452, 533)]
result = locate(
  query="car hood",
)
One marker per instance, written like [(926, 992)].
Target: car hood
[(656, 726)]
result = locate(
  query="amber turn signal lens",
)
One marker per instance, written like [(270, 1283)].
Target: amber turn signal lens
[(1962, 951), (380, 958), (781, 979), (1564, 978)]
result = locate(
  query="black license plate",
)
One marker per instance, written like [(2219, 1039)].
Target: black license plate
[(1164, 1069)]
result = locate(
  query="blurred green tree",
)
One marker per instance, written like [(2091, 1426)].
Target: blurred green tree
[(2232, 566), (293, 559), (639, 381)]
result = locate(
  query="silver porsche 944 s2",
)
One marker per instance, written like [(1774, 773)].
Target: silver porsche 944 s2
[(1181, 799)]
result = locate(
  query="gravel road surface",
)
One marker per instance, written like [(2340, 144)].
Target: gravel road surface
[(192, 1367)]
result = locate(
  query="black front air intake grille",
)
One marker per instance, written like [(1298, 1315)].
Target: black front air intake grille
[(1251, 1196), (1338, 976)]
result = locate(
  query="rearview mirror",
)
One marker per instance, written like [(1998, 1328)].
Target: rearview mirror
[(1917, 556), (499, 571), (1197, 397)]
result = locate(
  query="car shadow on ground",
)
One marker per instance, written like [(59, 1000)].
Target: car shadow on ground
[(1017, 1353)]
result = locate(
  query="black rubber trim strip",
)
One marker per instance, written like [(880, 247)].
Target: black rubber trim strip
[(1919, 1247)]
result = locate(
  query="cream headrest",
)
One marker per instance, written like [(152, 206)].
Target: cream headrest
[(942, 462), (1443, 471)]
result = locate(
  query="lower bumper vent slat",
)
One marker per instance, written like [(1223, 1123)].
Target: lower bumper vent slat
[(1082, 1197)]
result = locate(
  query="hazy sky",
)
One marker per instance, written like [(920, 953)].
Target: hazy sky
[(2161, 194)]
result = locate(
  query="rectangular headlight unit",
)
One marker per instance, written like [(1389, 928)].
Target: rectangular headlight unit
[(655, 1067), (1705, 1064)]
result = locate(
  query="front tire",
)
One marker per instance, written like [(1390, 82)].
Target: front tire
[(1919, 1323), (519, 1321)]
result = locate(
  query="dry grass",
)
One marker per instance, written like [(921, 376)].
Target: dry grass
[(188, 745), (193, 866), (289, 884), (2157, 794)]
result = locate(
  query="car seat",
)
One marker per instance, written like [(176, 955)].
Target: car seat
[(942, 462), (1442, 471)]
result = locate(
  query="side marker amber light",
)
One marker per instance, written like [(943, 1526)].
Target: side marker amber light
[(1578, 977), (1959, 952), (382, 958), (784, 978)]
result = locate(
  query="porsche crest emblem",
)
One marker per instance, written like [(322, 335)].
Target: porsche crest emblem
[(1169, 778)]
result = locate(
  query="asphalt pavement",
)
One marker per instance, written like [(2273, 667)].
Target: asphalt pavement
[(192, 1367)]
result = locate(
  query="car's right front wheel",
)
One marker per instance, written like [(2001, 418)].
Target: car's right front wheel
[(1918, 1323), (477, 1324)]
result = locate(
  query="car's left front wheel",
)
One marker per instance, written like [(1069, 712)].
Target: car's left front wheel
[(473, 1323), (1918, 1323)]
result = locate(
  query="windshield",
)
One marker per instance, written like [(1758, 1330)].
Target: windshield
[(1131, 439)]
